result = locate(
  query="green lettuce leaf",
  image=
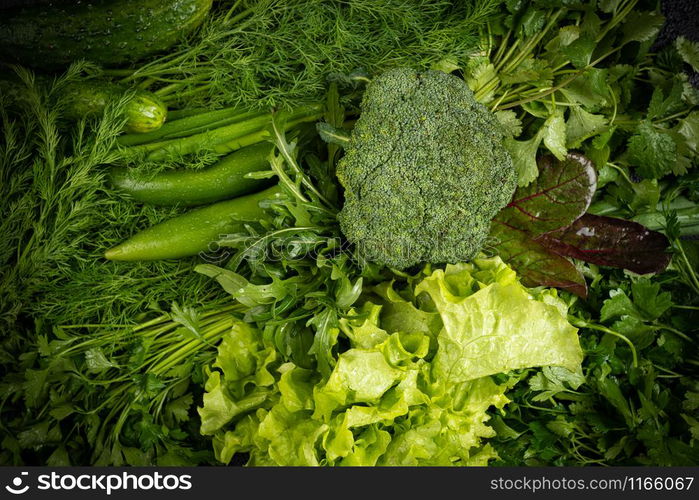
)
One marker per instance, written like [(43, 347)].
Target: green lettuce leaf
[(409, 383), (479, 340)]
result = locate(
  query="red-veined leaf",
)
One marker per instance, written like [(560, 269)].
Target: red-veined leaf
[(607, 241), (534, 263), (560, 195)]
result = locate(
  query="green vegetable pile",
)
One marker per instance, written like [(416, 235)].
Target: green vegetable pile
[(412, 387), (355, 233)]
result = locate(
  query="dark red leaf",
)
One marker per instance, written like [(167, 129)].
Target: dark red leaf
[(535, 264), (607, 241), (560, 195)]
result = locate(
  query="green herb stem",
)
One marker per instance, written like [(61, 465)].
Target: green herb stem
[(191, 125), (229, 137), (581, 323), (680, 334)]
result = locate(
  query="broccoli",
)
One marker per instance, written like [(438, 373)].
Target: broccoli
[(424, 171)]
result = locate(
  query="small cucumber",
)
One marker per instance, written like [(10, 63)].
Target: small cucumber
[(193, 232), (144, 112), (226, 179)]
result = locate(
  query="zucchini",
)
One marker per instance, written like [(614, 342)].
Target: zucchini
[(107, 32), (144, 112)]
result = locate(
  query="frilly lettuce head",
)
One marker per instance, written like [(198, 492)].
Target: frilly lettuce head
[(412, 386)]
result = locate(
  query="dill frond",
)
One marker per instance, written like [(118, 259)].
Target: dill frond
[(279, 53), (57, 218)]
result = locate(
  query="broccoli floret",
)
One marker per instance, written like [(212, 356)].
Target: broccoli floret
[(424, 171)]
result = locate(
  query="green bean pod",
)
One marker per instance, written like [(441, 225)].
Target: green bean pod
[(194, 232), (226, 179)]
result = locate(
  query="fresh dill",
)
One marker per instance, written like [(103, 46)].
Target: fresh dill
[(273, 53)]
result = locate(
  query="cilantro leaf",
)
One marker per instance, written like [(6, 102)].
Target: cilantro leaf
[(523, 155), (649, 299), (641, 26), (689, 51), (582, 125), (178, 409), (617, 305), (651, 151), (509, 121), (579, 52), (660, 106), (555, 135)]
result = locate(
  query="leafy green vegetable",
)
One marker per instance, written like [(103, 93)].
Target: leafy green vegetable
[(307, 314), (652, 152), (57, 219), (548, 217), (535, 264), (560, 194), (476, 342), (393, 397), (613, 242), (523, 155), (689, 51)]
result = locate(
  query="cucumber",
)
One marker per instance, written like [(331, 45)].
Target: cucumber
[(107, 32), (193, 232), (226, 179), (144, 112)]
